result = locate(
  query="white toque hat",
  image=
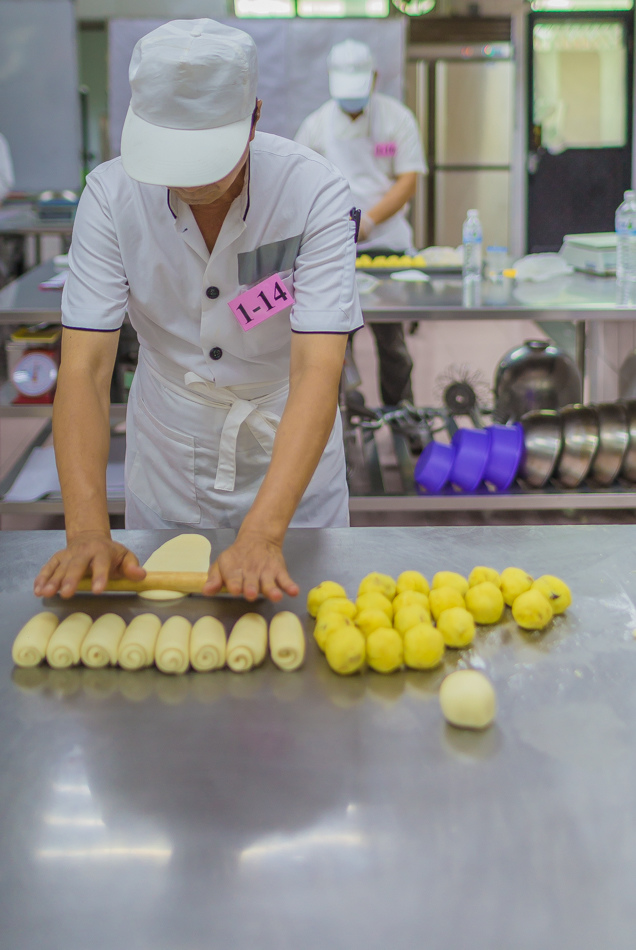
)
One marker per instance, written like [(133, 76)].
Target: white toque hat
[(351, 69), (193, 88)]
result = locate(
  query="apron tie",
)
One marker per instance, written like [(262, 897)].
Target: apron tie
[(261, 423)]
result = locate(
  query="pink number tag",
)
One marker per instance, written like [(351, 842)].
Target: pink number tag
[(260, 302), (385, 150)]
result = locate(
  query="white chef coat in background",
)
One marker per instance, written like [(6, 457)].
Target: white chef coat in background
[(7, 177), (207, 395), (350, 145)]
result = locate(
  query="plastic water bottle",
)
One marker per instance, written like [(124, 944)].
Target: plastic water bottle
[(471, 241), (626, 239)]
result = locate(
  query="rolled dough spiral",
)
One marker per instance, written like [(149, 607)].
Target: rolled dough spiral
[(137, 647), (102, 641), (172, 652), (29, 647), (208, 644), (64, 647), (247, 645), (286, 640)]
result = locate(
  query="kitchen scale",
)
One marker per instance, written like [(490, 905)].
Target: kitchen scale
[(592, 253), (35, 377), (33, 359)]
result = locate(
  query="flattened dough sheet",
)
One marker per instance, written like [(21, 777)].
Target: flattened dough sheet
[(186, 552)]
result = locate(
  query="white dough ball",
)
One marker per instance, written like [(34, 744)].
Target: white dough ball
[(468, 699)]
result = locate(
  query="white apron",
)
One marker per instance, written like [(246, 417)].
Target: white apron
[(196, 453), (355, 158)]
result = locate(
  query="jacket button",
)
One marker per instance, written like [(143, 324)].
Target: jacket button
[(212, 293), (216, 353)]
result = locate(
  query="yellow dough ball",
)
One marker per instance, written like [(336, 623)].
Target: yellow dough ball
[(556, 591), (365, 260), (450, 579), (369, 620), (379, 584), (393, 260), (457, 627), (379, 260), (337, 605), (480, 574), (317, 595), (405, 260), (385, 652), (326, 626), (418, 261), (423, 647), (375, 601), (468, 699), (345, 650), (443, 598), (485, 602), (514, 581), (532, 610), (409, 598), (408, 617), (412, 580)]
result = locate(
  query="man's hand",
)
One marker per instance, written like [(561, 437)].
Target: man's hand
[(90, 552), (253, 565)]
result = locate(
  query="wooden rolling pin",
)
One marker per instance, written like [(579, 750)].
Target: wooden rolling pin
[(185, 582)]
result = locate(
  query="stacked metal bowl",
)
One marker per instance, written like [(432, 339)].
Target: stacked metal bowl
[(580, 442)]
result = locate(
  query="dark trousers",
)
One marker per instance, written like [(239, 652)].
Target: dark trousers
[(395, 363)]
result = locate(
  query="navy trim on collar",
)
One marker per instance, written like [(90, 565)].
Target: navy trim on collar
[(249, 176), (169, 205)]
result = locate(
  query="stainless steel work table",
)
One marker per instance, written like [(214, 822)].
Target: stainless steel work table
[(22, 220), (310, 811), (578, 297)]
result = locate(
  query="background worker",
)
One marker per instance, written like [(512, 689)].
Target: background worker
[(374, 141)]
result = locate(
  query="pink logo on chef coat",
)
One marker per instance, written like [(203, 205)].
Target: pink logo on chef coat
[(385, 150), (259, 303)]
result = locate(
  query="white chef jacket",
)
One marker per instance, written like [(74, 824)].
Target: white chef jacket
[(137, 248), (7, 178), (350, 146)]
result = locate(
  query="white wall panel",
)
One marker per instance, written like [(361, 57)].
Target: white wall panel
[(292, 64), (39, 99)]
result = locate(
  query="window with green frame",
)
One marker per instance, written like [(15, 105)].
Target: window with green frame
[(311, 8), (581, 6)]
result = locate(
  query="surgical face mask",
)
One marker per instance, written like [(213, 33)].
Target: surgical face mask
[(352, 106)]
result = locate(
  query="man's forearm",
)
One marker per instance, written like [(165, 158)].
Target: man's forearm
[(300, 441), (394, 199), (81, 431)]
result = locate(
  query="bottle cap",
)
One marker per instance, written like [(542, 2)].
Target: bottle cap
[(473, 211)]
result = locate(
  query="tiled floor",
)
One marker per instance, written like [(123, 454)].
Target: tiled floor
[(440, 351)]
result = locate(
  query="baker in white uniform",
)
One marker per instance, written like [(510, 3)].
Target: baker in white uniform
[(233, 253), (375, 142)]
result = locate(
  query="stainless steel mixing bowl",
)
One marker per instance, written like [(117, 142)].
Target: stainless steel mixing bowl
[(542, 446), (628, 468), (613, 437), (580, 444)]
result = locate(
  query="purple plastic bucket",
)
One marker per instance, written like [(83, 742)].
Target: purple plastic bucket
[(433, 467), (504, 456), (471, 456)]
